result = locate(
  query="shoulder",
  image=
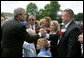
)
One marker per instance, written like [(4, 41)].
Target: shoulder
[(72, 26), (40, 54)]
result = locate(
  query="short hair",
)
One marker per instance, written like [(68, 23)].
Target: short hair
[(44, 42), (33, 16), (18, 11), (56, 25), (70, 12)]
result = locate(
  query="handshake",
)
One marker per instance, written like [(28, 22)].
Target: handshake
[(42, 32), (31, 32)]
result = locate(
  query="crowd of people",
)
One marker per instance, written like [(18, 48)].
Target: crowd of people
[(44, 38)]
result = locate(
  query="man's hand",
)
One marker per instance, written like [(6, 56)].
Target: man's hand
[(31, 32)]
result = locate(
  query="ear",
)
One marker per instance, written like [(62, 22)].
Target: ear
[(19, 15), (42, 46)]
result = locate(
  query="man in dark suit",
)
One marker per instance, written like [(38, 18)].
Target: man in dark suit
[(14, 34), (68, 45)]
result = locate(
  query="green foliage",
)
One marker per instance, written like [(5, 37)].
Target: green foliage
[(31, 9), (78, 17), (50, 10), (2, 15)]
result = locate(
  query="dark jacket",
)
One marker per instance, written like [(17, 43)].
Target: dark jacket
[(13, 35), (53, 44), (69, 45)]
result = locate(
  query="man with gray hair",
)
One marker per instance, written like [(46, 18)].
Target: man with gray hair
[(14, 34)]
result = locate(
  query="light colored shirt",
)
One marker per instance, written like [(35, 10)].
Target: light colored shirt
[(29, 49), (30, 27), (44, 53), (63, 30), (67, 24)]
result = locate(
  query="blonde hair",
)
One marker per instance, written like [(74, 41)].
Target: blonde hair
[(70, 12), (44, 42), (48, 19), (56, 24), (41, 21)]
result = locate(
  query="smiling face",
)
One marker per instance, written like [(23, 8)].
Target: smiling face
[(52, 26), (32, 20)]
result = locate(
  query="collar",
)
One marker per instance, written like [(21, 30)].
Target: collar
[(43, 49), (33, 26), (67, 24)]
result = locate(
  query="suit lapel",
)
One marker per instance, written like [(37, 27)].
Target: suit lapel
[(65, 34), (69, 28)]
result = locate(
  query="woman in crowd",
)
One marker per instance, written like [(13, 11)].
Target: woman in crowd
[(42, 23), (54, 36), (47, 24)]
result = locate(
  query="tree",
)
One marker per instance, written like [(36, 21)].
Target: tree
[(31, 9), (54, 8), (78, 17), (2, 15), (50, 10)]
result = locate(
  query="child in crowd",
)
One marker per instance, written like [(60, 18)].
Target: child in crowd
[(43, 46)]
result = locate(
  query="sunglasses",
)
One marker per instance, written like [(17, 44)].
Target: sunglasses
[(31, 19)]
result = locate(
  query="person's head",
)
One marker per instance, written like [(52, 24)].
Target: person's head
[(32, 19), (67, 16), (54, 25), (2, 20), (47, 21), (42, 22), (42, 43), (20, 14)]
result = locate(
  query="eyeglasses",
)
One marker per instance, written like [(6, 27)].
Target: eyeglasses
[(31, 19)]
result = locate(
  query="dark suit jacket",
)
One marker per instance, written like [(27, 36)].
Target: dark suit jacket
[(13, 35), (69, 45), (53, 44)]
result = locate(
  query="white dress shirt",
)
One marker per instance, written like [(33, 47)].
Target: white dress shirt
[(30, 27)]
